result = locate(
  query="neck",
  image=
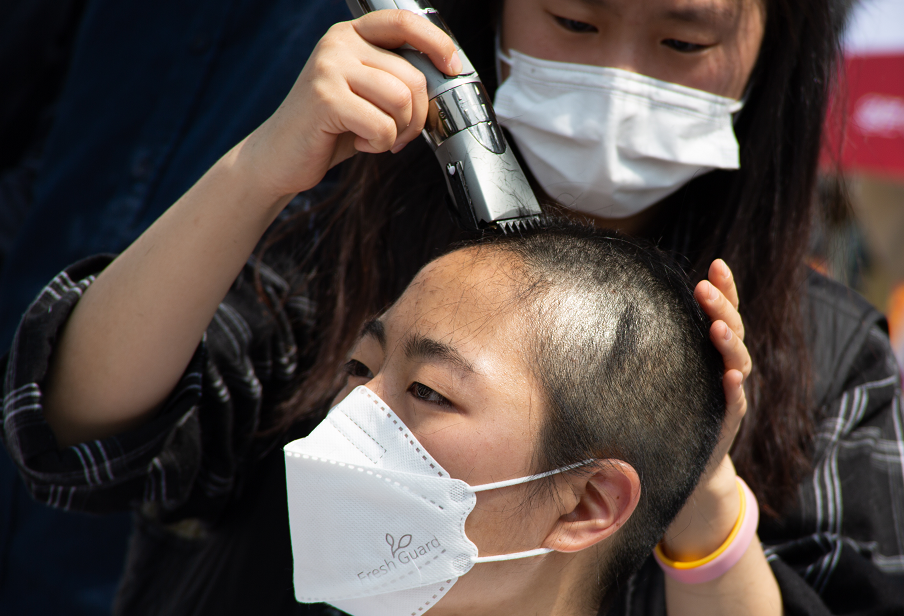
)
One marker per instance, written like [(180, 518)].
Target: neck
[(557, 585)]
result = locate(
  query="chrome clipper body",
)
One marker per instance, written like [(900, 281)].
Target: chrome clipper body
[(485, 181)]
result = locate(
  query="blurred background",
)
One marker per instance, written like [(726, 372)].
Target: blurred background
[(866, 146)]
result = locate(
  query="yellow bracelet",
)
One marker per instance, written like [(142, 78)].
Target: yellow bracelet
[(702, 561)]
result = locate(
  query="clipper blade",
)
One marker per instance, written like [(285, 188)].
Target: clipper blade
[(523, 223)]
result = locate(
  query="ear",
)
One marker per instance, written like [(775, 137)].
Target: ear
[(605, 501)]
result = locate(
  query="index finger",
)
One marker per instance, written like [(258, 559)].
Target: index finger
[(392, 29), (721, 277)]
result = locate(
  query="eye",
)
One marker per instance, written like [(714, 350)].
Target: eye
[(356, 369), (683, 46), (573, 25), (422, 392)]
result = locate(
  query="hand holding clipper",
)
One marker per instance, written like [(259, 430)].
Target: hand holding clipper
[(485, 181)]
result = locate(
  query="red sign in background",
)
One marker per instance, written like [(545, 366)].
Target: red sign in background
[(866, 120)]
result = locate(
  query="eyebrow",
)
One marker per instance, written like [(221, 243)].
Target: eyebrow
[(375, 329), (419, 347), (711, 12), (423, 348)]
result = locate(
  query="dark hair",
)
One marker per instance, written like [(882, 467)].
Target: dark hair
[(387, 221), (622, 354)]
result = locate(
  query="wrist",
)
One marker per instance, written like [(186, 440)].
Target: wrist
[(240, 176), (706, 519), (726, 556)]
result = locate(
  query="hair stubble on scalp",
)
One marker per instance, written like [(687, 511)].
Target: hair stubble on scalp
[(621, 352)]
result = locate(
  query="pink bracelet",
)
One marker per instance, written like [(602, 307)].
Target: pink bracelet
[(724, 558)]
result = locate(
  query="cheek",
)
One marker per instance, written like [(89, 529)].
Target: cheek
[(493, 440), (450, 440), (511, 520), (476, 452), (724, 73), (737, 62), (498, 524), (501, 521)]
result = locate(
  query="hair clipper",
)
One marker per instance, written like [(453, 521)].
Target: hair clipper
[(485, 181)]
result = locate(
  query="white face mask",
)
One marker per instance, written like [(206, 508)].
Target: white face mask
[(610, 142), (377, 525)]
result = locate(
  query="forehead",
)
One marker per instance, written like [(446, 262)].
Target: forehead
[(692, 10), (467, 298)]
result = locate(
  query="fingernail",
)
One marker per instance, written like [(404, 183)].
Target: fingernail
[(713, 294), (727, 334), (397, 148), (726, 273), (455, 63)]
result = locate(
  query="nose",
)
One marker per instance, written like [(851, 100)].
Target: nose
[(621, 49), (378, 386), (349, 387)]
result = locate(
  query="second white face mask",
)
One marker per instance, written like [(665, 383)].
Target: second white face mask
[(377, 525), (610, 142)]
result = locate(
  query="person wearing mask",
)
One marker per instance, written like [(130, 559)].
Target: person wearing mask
[(819, 445)]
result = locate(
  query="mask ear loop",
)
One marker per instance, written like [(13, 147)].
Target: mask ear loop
[(513, 482), (515, 556)]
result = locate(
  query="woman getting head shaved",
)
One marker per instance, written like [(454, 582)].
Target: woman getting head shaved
[(570, 364)]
